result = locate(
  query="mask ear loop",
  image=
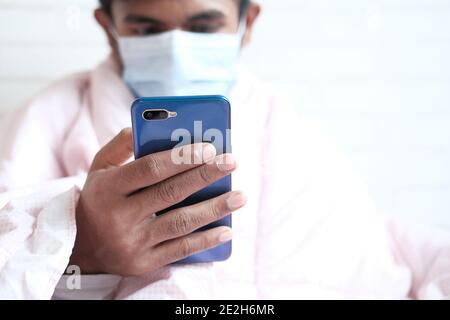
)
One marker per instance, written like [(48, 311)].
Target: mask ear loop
[(242, 28), (113, 30)]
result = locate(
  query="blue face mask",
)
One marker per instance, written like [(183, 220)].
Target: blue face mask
[(180, 63)]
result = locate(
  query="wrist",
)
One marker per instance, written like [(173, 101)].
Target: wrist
[(83, 262)]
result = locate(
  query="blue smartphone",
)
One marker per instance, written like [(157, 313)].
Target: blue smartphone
[(163, 123)]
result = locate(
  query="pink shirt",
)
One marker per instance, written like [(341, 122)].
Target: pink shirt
[(309, 230)]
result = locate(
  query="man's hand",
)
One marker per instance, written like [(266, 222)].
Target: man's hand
[(117, 231)]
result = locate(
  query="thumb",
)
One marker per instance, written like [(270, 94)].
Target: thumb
[(115, 152)]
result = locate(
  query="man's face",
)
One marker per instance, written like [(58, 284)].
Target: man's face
[(147, 17)]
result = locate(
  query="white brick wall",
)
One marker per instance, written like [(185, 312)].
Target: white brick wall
[(375, 72)]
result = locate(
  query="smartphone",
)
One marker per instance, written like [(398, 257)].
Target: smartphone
[(163, 123)]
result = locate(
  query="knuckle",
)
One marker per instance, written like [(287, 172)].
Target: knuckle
[(204, 174), (215, 209), (185, 248), (152, 167), (204, 242), (145, 167), (168, 193), (180, 224)]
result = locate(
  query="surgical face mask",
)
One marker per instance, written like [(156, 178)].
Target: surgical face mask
[(180, 63)]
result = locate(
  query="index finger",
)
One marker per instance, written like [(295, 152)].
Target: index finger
[(160, 166)]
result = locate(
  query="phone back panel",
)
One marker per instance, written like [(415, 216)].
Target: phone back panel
[(204, 119)]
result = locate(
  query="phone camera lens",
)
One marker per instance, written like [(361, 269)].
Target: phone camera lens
[(163, 115), (151, 115), (148, 115)]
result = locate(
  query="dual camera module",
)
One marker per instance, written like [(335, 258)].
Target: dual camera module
[(159, 114)]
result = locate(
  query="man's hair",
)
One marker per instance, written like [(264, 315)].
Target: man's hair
[(106, 5)]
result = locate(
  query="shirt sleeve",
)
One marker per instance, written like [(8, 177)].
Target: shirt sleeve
[(319, 235), (37, 205), (37, 234)]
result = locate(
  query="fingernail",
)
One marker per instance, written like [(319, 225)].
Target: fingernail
[(205, 153), (226, 236), (226, 163), (236, 200), (209, 152)]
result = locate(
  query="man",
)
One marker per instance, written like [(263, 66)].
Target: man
[(303, 227)]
